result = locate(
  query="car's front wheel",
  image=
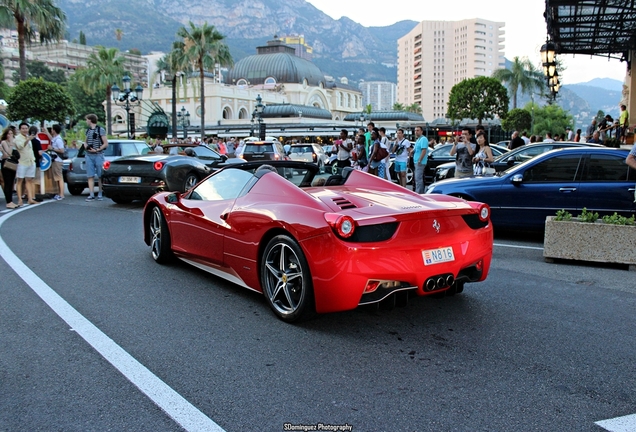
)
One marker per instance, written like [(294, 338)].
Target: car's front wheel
[(190, 181), (159, 237), (75, 190), (286, 281), (409, 175)]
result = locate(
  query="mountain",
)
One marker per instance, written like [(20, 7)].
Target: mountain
[(604, 83), (340, 47)]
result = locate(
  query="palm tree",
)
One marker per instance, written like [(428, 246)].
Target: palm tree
[(173, 63), (30, 16), (203, 46), (398, 106), (522, 74), (414, 108), (103, 68)]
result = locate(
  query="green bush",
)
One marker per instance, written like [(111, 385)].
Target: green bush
[(587, 216), (617, 219), (563, 215)]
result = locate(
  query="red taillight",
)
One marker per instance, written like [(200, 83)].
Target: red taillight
[(158, 165), (344, 226), (106, 165), (314, 156), (276, 157), (484, 212)]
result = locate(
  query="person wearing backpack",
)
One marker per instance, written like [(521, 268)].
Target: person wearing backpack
[(96, 143)]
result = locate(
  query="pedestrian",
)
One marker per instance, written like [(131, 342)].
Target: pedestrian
[(569, 134), (524, 137), (483, 157), (577, 136), (590, 130), (420, 159), (230, 148), (386, 144), (376, 159), (631, 161), (343, 148), (604, 126), (623, 123), (26, 165), (548, 137), (367, 137), (516, 141), (401, 148), (464, 150), (239, 149), (7, 146), (596, 138), (96, 143), (359, 154), (57, 147), (222, 147)]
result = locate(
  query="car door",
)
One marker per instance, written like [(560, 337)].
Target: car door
[(435, 158), (607, 184), (199, 225), (521, 155), (538, 190)]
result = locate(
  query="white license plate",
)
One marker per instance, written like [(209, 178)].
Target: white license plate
[(129, 179), (436, 256)]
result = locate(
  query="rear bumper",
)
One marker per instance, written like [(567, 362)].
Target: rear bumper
[(134, 192)]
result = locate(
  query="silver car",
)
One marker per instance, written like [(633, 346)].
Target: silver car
[(76, 178), (309, 153)]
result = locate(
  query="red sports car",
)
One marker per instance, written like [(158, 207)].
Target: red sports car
[(315, 243)]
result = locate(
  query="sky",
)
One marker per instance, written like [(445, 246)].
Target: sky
[(525, 28)]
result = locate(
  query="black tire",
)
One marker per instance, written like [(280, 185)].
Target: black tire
[(410, 175), (120, 200), (334, 168), (190, 181), (75, 190), (159, 237), (321, 167), (286, 280)]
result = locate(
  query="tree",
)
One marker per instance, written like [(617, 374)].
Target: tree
[(478, 98), (118, 34), (517, 119), (414, 108), (522, 75), (82, 38), (398, 106), (550, 118), (84, 102), (204, 47), (38, 69), (174, 63), (30, 16), (103, 68), (39, 100)]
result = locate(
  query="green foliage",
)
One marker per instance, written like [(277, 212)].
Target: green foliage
[(522, 74), (414, 108), (600, 115), (617, 219), (587, 216), (478, 98), (135, 51), (398, 106), (563, 215), (550, 118), (85, 103), (517, 119), (38, 69), (39, 100), (82, 38)]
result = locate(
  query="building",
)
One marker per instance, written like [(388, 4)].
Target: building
[(381, 95), (436, 55), (301, 48)]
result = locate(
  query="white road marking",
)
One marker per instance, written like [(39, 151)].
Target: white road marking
[(177, 407), (619, 424), (517, 246)]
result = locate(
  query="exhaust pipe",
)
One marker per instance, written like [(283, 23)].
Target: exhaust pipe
[(449, 280), (430, 284), (441, 282)]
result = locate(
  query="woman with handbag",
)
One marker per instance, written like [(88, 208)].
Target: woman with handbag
[(9, 165), (378, 154), (483, 157)]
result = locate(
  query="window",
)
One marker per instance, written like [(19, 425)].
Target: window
[(227, 184), (241, 82), (555, 169), (270, 81), (605, 168)]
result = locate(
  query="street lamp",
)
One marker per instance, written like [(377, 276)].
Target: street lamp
[(258, 109), (183, 120), (128, 98), (548, 60), (362, 118)]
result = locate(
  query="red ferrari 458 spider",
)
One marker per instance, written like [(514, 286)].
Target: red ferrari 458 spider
[(315, 243)]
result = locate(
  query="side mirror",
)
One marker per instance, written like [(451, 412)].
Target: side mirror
[(173, 197), (510, 162), (517, 179), (223, 158)]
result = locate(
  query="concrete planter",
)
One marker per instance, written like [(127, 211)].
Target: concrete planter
[(598, 242)]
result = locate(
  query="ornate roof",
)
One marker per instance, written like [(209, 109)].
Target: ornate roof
[(387, 116), (292, 110), (282, 66)]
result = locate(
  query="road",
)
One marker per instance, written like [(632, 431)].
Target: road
[(537, 346)]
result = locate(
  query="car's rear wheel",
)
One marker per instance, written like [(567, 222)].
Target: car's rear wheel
[(409, 175), (75, 190), (159, 237), (286, 280), (120, 200), (321, 167), (334, 168), (190, 181)]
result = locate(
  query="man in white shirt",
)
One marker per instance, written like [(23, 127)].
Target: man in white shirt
[(401, 148), (57, 146)]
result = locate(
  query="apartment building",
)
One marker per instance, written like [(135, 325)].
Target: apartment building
[(381, 95), (436, 55)]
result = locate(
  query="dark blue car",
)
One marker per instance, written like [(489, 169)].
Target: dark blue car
[(569, 178)]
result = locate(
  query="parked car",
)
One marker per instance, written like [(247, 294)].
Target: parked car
[(263, 150), (571, 178), (76, 179), (508, 159), (309, 153), (66, 163), (311, 252), (441, 155), (140, 177)]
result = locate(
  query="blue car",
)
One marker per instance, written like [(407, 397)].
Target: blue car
[(568, 178)]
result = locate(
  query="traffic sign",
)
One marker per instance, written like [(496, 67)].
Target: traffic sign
[(44, 140), (45, 162)]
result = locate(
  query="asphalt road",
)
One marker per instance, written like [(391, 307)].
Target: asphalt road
[(538, 346)]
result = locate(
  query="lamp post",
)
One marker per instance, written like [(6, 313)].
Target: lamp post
[(183, 120), (548, 59), (258, 109), (252, 123), (362, 118), (128, 98)]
